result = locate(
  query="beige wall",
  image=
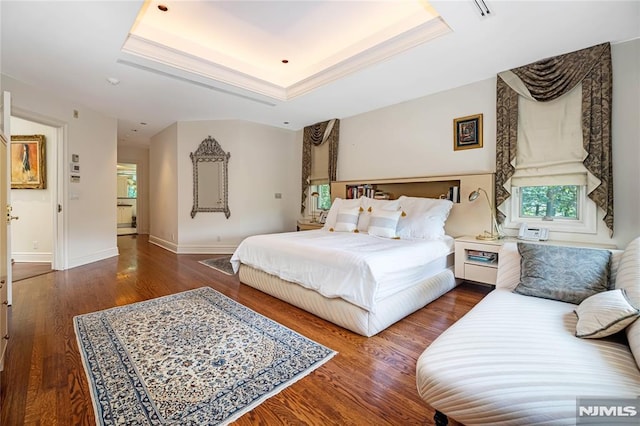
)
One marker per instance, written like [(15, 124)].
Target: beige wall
[(264, 161), (163, 188), (415, 138)]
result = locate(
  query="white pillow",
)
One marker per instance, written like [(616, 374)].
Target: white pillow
[(383, 223), (370, 204), (628, 278), (604, 314), (423, 217), (347, 219), (337, 204)]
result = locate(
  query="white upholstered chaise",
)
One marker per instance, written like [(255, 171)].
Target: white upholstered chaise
[(515, 359)]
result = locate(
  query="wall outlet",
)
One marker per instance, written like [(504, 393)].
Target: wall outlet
[(35, 245)]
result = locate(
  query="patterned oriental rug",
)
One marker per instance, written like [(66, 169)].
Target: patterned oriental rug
[(195, 357), (222, 264)]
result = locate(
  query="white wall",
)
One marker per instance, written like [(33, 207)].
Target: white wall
[(163, 188), (88, 205), (415, 138), (264, 161), (32, 234), (140, 157)]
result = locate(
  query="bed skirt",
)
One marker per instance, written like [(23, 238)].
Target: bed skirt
[(345, 314)]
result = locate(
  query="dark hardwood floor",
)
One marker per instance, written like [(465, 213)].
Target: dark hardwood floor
[(24, 270), (371, 381)]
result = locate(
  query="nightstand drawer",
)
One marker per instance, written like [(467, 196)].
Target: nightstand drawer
[(481, 274)]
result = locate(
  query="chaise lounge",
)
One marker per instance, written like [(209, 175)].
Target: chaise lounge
[(515, 358)]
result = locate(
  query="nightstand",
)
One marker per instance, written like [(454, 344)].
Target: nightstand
[(307, 225), (477, 260)]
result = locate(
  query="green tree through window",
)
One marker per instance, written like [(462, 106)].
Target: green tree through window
[(559, 201)]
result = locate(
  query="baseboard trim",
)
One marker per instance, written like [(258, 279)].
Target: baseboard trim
[(217, 249), (193, 249), (94, 257), (28, 257), (167, 245)]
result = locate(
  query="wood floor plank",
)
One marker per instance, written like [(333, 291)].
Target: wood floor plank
[(371, 381)]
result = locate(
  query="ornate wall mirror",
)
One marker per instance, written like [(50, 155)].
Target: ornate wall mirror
[(210, 178)]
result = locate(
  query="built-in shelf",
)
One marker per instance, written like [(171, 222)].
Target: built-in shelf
[(466, 217)]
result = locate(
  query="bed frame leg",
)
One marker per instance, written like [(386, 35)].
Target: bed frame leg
[(440, 419)]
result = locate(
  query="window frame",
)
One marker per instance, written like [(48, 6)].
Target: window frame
[(314, 187), (585, 224)]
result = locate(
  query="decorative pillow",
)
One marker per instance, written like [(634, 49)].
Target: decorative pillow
[(604, 314), (370, 204), (347, 220), (383, 223), (423, 217), (567, 274), (337, 204), (628, 278)]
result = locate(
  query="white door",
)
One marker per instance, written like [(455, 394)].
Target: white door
[(5, 243)]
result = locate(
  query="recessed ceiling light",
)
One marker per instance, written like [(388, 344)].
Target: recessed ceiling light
[(113, 81), (163, 8)]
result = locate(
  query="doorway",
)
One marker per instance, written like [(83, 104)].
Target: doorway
[(33, 235), (127, 203)]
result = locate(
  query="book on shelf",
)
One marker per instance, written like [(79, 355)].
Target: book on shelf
[(482, 256), (454, 194), (357, 191)]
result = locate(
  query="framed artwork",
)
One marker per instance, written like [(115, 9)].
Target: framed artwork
[(467, 132), (28, 162)]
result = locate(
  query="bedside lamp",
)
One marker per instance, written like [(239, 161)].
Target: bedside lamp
[(486, 236), (315, 196)]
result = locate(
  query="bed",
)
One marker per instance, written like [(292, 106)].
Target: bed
[(373, 263)]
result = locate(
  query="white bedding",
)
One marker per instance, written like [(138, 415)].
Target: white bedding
[(356, 267)]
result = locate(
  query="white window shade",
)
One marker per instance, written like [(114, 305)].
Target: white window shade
[(319, 163), (550, 150)]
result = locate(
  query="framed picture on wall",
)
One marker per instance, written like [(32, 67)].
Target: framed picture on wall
[(28, 162), (467, 132)]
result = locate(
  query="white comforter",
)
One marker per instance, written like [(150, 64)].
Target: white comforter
[(356, 267)]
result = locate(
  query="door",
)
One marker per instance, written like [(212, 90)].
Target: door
[(5, 243), (4, 255)]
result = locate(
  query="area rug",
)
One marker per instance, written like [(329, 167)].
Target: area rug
[(222, 264), (195, 357)]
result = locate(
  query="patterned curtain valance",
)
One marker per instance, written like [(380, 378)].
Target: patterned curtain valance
[(315, 135), (549, 79)]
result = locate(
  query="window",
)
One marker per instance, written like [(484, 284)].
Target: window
[(562, 208), (324, 197), (550, 202)]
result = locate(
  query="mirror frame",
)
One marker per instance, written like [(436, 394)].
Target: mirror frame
[(209, 151)]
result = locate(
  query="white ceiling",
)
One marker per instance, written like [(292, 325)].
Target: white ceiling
[(70, 48)]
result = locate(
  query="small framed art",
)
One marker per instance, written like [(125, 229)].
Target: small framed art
[(28, 162), (467, 132)]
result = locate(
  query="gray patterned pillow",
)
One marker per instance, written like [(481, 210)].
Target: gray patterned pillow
[(568, 274)]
